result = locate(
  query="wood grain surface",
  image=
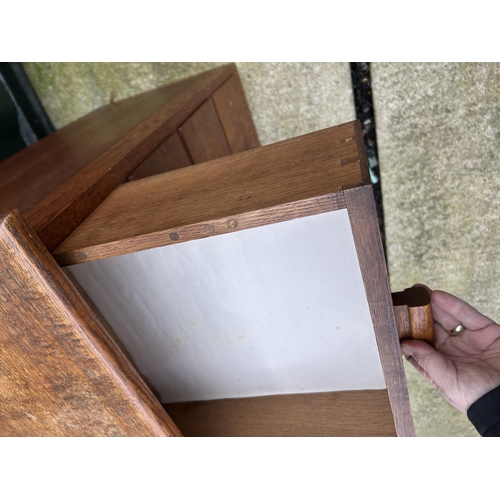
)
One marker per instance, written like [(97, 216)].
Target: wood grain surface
[(205, 229), (54, 204), (412, 309), (221, 125), (83, 294), (171, 155), (365, 169), (60, 372), (235, 117), (211, 196), (363, 217), (203, 135), (346, 413), (33, 173)]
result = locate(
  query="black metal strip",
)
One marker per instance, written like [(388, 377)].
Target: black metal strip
[(362, 89)]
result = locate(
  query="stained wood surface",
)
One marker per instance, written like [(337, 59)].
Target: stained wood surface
[(363, 216), (33, 173), (171, 155), (60, 180), (347, 413), (363, 160), (67, 256), (203, 135), (235, 116), (60, 372), (83, 294), (412, 309), (206, 199), (222, 125), (402, 317)]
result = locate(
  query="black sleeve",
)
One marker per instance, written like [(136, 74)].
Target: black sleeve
[(485, 414)]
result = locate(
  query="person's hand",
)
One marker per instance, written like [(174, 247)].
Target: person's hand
[(463, 368)]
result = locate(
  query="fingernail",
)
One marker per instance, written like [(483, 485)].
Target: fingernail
[(406, 350)]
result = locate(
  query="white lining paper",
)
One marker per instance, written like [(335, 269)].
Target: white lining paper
[(277, 309)]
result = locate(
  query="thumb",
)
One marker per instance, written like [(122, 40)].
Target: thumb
[(430, 363)]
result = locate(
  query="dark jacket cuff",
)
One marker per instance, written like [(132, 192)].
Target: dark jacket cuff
[(485, 414)]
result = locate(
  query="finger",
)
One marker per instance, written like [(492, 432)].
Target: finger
[(431, 363), (467, 343), (440, 335), (421, 371), (449, 311)]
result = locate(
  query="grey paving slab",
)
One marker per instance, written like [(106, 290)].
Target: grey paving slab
[(286, 99), (291, 99), (71, 90), (438, 128)]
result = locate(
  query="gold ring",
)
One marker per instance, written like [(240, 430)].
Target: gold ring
[(458, 329)]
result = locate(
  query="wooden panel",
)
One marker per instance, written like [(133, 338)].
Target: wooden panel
[(171, 155), (211, 196), (43, 167), (60, 372), (347, 413), (27, 177), (108, 328), (365, 169), (69, 255), (363, 216), (204, 136), (235, 116), (54, 203)]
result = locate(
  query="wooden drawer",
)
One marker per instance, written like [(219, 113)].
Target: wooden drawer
[(244, 295)]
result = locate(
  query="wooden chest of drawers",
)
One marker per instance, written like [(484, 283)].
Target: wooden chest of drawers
[(215, 287)]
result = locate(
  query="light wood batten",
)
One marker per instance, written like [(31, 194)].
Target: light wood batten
[(316, 165)]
